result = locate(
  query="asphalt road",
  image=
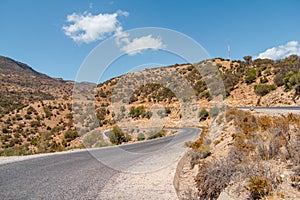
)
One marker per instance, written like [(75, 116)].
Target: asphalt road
[(82, 175), (274, 110)]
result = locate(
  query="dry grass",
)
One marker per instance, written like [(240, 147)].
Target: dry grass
[(257, 141)]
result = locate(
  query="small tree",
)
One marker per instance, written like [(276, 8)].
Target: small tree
[(248, 59)]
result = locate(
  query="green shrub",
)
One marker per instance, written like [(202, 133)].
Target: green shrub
[(18, 117), (27, 117), (14, 142), (264, 80), (139, 112), (278, 79), (259, 187), (5, 130), (230, 80), (168, 110), (101, 113), (203, 115), (286, 80), (263, 89), (251, 76), (16, 151), (71, 135), (57, 129), (190, 68), (141, 137), (158, 134), (291, 80), (35, 124), (48, 111), (117, 136), (31, 110), (34, 141), (69, 116)]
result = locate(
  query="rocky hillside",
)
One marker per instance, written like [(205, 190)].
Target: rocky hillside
[(35, 109), (244, 155), (260, 82), (21, 85)]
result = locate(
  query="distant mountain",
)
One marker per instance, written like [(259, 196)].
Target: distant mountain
[(21, 85), (8, 65), (35, 111), (19, 73)]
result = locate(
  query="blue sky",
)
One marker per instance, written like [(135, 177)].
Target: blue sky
[(38, 32)]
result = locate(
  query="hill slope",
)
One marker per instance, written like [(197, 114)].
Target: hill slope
[(21, 85), (261, 82), (35, 109)]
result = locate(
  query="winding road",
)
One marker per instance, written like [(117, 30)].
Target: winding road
[(83, 174)]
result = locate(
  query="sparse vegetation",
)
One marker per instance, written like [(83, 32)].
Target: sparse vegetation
[(117, 136), (141, 137), (203, 115), (139, 112), (259, 187), (32, 104), (256, 142), (263, 89), (291, 80), (251, 76), (71, 135), (157, 134)]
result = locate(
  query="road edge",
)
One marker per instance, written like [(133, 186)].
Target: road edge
[(178, 171)]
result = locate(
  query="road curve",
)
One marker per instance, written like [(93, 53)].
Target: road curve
[(83, 174)]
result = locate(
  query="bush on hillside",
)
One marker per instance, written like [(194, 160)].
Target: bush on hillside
[(251, 76), (263, 89), (203, 115), (158, 134), (117, 136), (139, 112), (291, 79), (141, 137), (71, 135)]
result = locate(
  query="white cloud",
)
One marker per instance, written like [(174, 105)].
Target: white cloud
[(88, 28), (121, 37), (281, 51), (138, 45), (121, 12)]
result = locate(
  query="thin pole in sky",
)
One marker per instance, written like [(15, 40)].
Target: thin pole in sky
[(228, 49)]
